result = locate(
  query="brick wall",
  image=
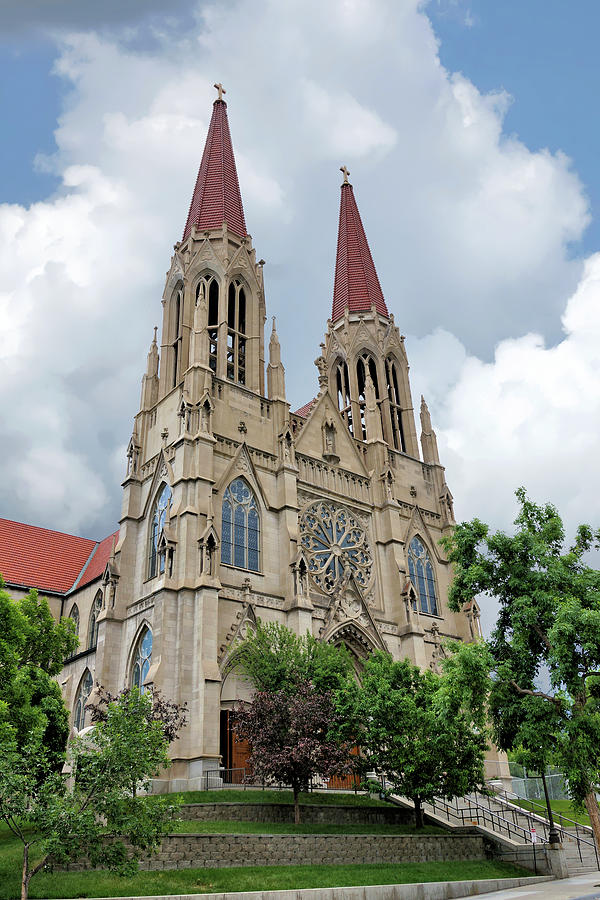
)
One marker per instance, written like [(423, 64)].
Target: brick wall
[(278, 812), (183, 851)]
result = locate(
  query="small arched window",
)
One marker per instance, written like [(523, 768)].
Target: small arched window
[(141, 660), (240, 527), (420, 570), (74, 614), (156, 561), (365, 363), (85, 689), (342, 382), (177, 334), (208, 292), (393, 392), (236, 332), (93, 622)]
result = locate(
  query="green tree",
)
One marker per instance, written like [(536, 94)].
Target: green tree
[(275, 659), (545, 697), (425, 732), (294, 736), (100, 798), (33, 648)]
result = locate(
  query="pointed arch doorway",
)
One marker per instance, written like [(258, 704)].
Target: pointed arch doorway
[(356, 645)]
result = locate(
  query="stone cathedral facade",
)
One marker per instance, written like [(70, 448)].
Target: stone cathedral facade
[(236, 508)]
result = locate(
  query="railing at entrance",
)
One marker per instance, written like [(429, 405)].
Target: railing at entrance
[(218, 779)]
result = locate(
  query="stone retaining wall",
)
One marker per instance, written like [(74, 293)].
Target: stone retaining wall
[(184, 851), (279, 812)]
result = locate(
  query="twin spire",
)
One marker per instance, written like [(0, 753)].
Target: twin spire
[(217, 200), (217, 197), (356, 285)]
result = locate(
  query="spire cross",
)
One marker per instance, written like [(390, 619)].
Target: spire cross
[(155, 330), (346, 173), (220, 89)]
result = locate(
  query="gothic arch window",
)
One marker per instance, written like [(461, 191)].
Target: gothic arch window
[(85, 689), (393, 392), (142, 659), (240, 527), (421, 574), (342, 382), (365, 363), (208, 290), (177, 334), (236, 332), (93, 622), (74, 614), (156, 560)]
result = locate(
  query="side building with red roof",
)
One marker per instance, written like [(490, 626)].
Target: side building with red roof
[(235, 508)]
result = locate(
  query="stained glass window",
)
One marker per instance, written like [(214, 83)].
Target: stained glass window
[(334, 540), (156, 561), (85, 689), (141, 660), (240, 527), (93, 623), (420, 570)]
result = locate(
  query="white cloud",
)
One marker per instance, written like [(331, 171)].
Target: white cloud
[(530, 417), (470, 231)]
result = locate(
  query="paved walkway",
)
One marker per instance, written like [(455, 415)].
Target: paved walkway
[(581, 886)]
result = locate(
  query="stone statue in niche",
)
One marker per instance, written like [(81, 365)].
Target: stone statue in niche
[(329, 442)]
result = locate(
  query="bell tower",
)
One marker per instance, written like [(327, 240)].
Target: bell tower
[(364, 353), (213, 303)]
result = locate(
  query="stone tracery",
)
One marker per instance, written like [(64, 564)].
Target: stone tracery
[(334, 541)]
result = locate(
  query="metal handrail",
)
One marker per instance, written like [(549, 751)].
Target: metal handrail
[(559, 818), (475, 811), (503, 798)]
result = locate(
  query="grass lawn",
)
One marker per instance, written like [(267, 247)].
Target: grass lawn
[(229, 827), (251, 878), (564, 807), (256, 795)]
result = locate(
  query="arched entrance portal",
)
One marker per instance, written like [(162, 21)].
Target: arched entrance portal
[(359, 645), (234, 752)]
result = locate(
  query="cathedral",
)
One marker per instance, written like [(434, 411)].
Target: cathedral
[(235, 508)]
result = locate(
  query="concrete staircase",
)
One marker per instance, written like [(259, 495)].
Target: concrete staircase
[(510, 826)]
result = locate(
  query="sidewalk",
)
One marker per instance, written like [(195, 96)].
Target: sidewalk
[(587, 886)]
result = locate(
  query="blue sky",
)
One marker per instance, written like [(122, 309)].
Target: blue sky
[(544, 53), (481, 237)]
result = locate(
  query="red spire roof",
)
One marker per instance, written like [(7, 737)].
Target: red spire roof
[(217, 197), (356, 285)]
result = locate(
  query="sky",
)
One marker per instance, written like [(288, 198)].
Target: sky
[(470, 134)]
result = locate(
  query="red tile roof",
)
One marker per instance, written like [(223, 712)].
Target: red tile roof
[(304, 410), (97, 563), (217, 197), (356, 285), (49, 560)]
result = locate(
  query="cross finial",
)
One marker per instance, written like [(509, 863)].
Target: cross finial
[(155, 330), (220, 89), (345, 173)]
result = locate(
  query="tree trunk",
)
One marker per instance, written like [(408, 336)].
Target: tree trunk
[(296, 790), (419, 821), (591, 804), (26, 876)]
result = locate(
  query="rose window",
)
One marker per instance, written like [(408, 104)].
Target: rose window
[(334, 541)]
